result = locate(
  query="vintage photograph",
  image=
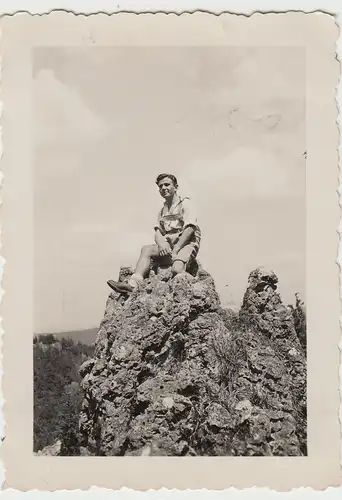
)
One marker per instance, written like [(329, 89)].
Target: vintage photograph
[(169, 229), (169, 251)]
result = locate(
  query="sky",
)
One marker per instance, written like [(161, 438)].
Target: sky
[(228, 122)]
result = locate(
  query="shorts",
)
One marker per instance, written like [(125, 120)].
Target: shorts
[(186, 254)]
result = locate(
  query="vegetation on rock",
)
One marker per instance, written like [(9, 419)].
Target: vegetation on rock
[(175, 374)]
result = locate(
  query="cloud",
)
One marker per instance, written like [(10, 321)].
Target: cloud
[(63, 120), (245, 173), (229, 123)]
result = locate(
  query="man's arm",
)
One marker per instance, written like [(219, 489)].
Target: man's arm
[(158, 237), (190, 224), (189, 214), (164, 247)]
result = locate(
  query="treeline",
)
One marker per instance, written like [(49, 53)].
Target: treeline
[(57, 393)]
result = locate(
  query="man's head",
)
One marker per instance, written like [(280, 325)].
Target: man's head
[(167, 184)]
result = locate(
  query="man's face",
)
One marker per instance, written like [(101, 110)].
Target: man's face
[(166, 188)]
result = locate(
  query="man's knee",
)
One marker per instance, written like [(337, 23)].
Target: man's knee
[(178, 267), (147, 250)]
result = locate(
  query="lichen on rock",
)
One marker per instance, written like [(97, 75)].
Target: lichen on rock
[(171, 376)]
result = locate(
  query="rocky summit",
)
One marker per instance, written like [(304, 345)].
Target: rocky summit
[(175, 374)]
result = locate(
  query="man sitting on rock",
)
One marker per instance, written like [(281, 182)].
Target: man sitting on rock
[(177, 236)]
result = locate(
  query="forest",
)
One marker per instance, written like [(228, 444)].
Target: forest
[(57, 392)]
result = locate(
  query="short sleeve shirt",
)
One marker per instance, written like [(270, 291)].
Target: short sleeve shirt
[(175, 219)]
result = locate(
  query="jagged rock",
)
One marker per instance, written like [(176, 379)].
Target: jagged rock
[(54, 450), (284, 365), (170, 376), (264, 308)]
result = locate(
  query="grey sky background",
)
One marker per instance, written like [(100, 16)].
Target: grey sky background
[(229, 123)]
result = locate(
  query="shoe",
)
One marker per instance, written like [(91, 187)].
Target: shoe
[(120, 287)]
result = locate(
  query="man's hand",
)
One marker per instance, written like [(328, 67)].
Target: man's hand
[(164, 248), (174, 252), (183, 240)]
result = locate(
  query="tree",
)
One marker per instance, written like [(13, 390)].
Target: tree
[(57, 394)]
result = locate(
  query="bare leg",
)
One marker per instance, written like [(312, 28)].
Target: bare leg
[(141, 270), (178, 267), (144, 261)]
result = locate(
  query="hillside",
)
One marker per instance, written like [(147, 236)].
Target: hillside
[(57, 394), (86, 337)]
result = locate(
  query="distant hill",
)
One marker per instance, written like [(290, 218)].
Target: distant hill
[(84, 336)]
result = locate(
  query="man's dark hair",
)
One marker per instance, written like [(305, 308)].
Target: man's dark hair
[(170, 176)]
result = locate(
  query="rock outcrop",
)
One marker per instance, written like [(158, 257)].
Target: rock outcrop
[(174, 374), (54, 450)]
